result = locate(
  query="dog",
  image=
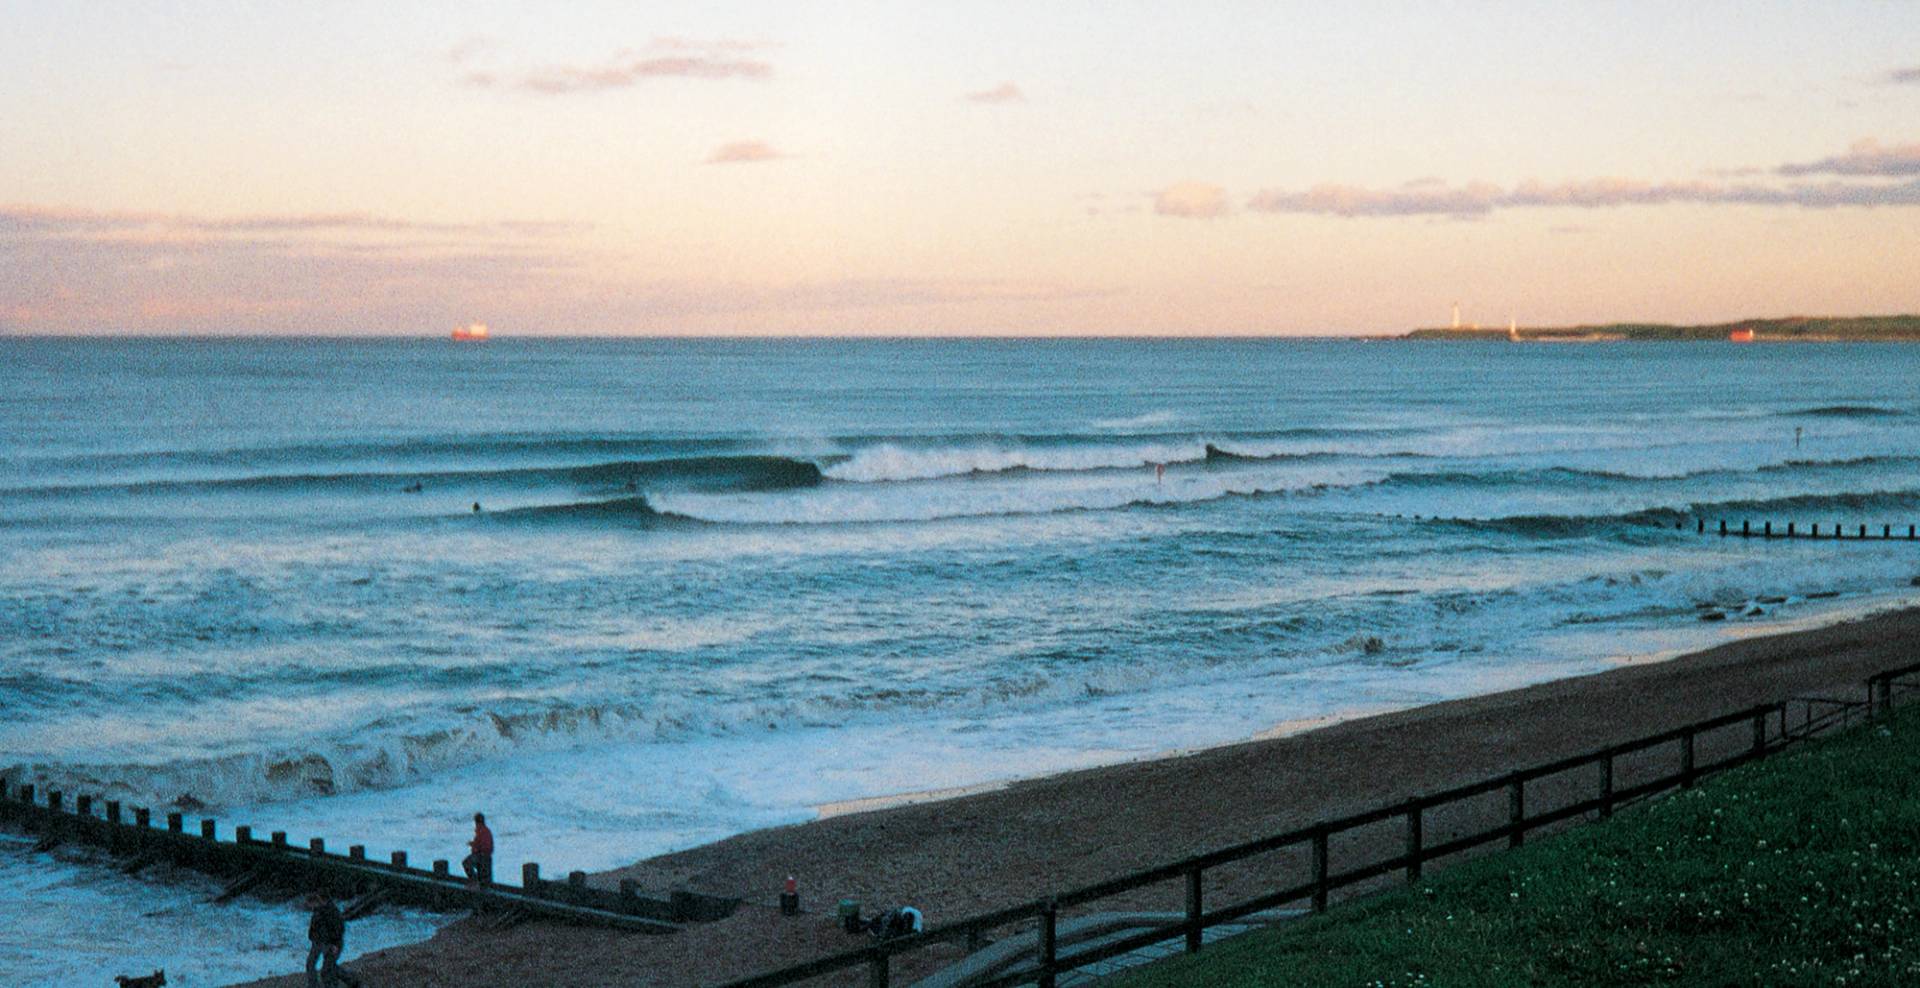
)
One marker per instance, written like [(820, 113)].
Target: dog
[(154, 980)]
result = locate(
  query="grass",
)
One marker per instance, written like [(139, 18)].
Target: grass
[(1803, 869)]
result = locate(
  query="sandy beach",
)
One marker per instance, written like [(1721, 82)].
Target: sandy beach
[(990, 849)]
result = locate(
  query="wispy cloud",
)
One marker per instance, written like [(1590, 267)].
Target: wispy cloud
[(1905, 76), (60, 221), (1861, 173), (1005, 92), (744, 153), (664, 58), (1865, 157), (1193, 200)]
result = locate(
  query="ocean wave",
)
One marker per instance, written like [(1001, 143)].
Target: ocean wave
[(1845, 411), (714, 473)]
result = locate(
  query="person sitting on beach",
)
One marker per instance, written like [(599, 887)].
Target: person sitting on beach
[(327, 931), (479, 864), (900, 922)]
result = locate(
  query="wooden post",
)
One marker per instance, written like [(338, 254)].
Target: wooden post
[(1723, 528), (279, 840), (26, 794), (1686, 760), (1759, 732), (1517, 811), (55, 798), (1416, 841), (1816, 529), (176, 823), (440, 868), (357, 852), (1910, 529), (1193, 911), (318, 846), (1320, 871), (142, 817), (1606, 785), (1886, 532), (1699, 525), (1769, 529), (1049, 942), (530, 876), (209, 829), (243, 835), (83, 804), (399, 859), (877, 976), (1746, 528), (113, 811)]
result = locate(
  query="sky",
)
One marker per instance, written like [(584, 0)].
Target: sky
[(980, 168)]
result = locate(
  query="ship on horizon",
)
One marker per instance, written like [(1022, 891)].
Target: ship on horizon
[(472, 332)]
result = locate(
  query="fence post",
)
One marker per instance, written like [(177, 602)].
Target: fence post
[(1606, 785), (1416, 844), (1686, 760), (1049, 944), (1193, 911), (1320, 870), (1759, 731), (1723, 528), (877, 975), (1517, 810)]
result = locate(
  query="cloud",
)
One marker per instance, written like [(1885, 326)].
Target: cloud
[(1481, 198), (1903, 76), (1865, 157), (664, 58), (66, 222), (744, 152), (1193, 200), (1005, 92)]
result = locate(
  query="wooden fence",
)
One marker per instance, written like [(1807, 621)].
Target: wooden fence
[(1734, 739)]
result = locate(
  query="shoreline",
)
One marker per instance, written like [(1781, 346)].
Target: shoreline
[(970, 853)]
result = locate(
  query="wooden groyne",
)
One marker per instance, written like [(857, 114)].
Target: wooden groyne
[(1747, 528), (131, 834)]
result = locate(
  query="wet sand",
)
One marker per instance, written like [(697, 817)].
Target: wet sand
[(1008, 845)]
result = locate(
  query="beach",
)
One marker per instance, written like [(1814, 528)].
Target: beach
[(971, 853)]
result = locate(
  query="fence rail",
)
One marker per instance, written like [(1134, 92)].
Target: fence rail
[(1773, 728)]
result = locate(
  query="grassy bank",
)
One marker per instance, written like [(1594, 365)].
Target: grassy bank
[(1800, 870)]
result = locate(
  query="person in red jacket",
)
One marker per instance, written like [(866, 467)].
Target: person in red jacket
[(479, 864)]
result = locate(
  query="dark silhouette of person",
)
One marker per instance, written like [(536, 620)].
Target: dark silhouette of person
[(327, 931)]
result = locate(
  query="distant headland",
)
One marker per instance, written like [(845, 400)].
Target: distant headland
[(1793, 329)]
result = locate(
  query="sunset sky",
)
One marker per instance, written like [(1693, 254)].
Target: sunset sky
[(965, 168)]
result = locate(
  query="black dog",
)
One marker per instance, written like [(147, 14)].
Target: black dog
[(154, 980)]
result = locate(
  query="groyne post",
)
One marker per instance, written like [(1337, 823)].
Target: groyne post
[(176, 823), (1816, 529), (54, 798), (318, 846), (83, 804), (399, 859), (1886, 531), (1723, 528), (209, 829), (1686, 760), (440, 869), (113, 811), (530, 876), (1759, 732), (1769, 529), (142, 817), (280, 840), (1746, 528), (243, 834), (357, 852)]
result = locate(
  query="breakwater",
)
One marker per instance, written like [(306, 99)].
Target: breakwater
[(134, 836), (1747, 528)]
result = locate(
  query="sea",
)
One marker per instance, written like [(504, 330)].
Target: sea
[(627, 596)]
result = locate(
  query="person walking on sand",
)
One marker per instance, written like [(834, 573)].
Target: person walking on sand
[(328, 932), (479, 864)]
